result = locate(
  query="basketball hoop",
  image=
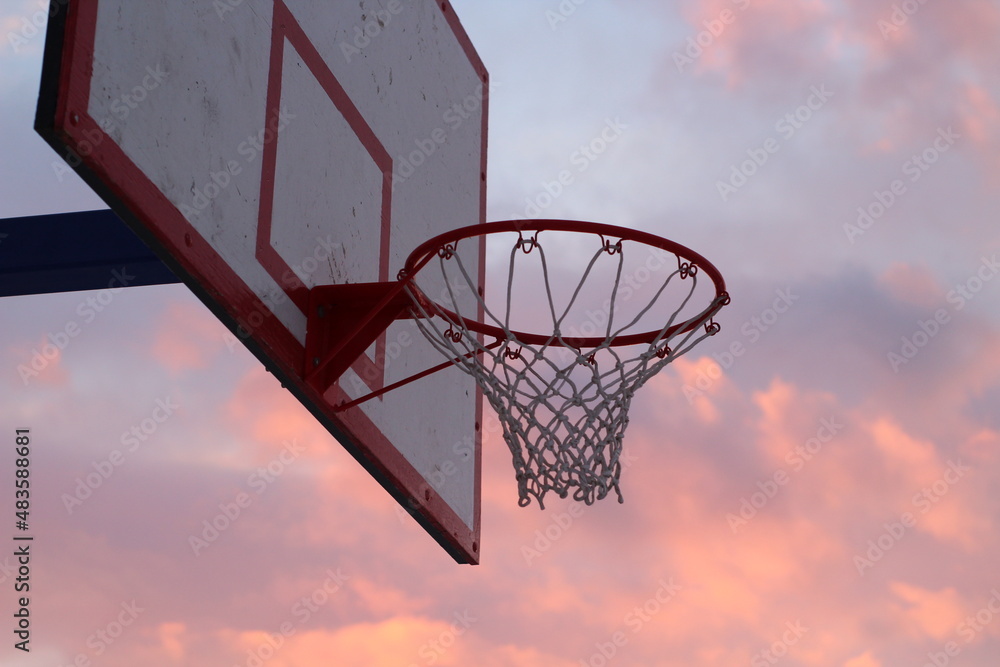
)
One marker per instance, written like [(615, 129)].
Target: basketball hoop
[(563, 396)]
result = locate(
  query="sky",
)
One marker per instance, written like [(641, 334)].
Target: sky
[(813, 486)]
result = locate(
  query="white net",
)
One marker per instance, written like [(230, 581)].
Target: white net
[(563, 398)]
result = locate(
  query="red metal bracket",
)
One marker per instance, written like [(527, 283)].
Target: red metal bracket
[(343, 321)]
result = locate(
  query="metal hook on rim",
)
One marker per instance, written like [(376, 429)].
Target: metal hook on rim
[(526, 245), (611, 248), (686, 268)]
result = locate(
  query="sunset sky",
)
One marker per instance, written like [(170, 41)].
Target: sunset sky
[(816, 485)]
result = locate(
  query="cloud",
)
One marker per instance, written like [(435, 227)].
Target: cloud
[(929, 613), (399, 640), (698, 457), (914, 285), (187, 336), (382, 600), (171, 637), (979, 113), (864, 660), (268, 416), (746, 39), (905, 457), (40, 363)]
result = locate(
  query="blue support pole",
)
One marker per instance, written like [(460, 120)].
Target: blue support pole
[(68, 252)]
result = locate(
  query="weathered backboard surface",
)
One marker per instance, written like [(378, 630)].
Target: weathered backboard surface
[(264, 147)]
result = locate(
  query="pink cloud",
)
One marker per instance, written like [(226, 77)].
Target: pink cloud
[(980, 119), (171, 636), (699, 384), (187, 336), (907, 457), (750, 34), (382, 600), (913, 284), (698, 455), (895, 81), (269, 416), (980, 114), (959, 519), (928, 613), (400, 640), (983, 446), (864, 660), (41, 363)]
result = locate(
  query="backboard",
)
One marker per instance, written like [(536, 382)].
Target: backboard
[(266, 147)]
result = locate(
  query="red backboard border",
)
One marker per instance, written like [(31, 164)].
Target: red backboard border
[(64, 122)]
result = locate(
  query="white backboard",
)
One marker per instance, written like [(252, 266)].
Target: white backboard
[(266, 147)]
